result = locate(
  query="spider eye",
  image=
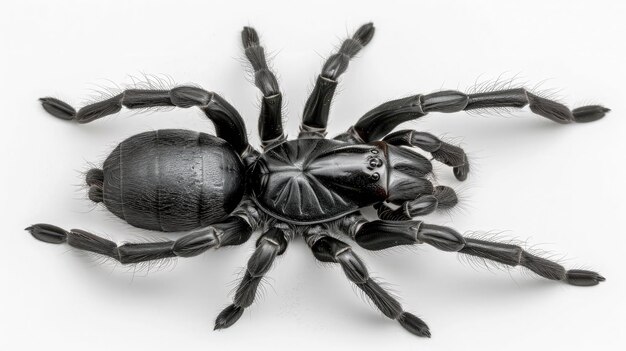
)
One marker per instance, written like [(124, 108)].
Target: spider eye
[(375, 162), (375, 176)]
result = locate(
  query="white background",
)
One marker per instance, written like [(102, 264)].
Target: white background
[(560, 187)]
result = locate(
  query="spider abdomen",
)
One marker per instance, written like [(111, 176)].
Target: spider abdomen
[(172, 180), (317, 180)]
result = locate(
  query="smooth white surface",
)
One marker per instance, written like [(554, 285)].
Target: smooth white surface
[(560, 187)]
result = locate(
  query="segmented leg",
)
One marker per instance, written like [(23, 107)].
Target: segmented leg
[(316, 109), (228, 123), (270, 119), (379, 235), (271, 244), (234, 231), (383, 119), (328, 249), (443, 152)]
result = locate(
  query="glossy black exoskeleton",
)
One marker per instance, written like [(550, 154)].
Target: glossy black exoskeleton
[(171, 180), (222, 190), (314, 180)]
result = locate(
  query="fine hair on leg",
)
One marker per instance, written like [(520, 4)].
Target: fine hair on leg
[(228, 123), (270, 118), (379, 235), (271, 244), (329, 249), (234, 231), (317, 107), (380, 121)]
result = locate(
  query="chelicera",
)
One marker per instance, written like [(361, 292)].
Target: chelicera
[(221, 189)]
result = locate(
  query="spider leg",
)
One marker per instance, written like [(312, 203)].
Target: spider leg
[(228, 123), (316, 109), (270, 118), (233, 231), (443, 152), (379, 235), (271, 244), (383, 119), (328, 249)]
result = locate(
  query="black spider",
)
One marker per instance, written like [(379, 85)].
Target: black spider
[(223, 189)]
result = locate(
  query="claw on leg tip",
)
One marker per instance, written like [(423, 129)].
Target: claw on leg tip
[(228, 317)]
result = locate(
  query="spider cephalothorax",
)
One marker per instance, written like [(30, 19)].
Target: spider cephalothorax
[(221, 189)]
